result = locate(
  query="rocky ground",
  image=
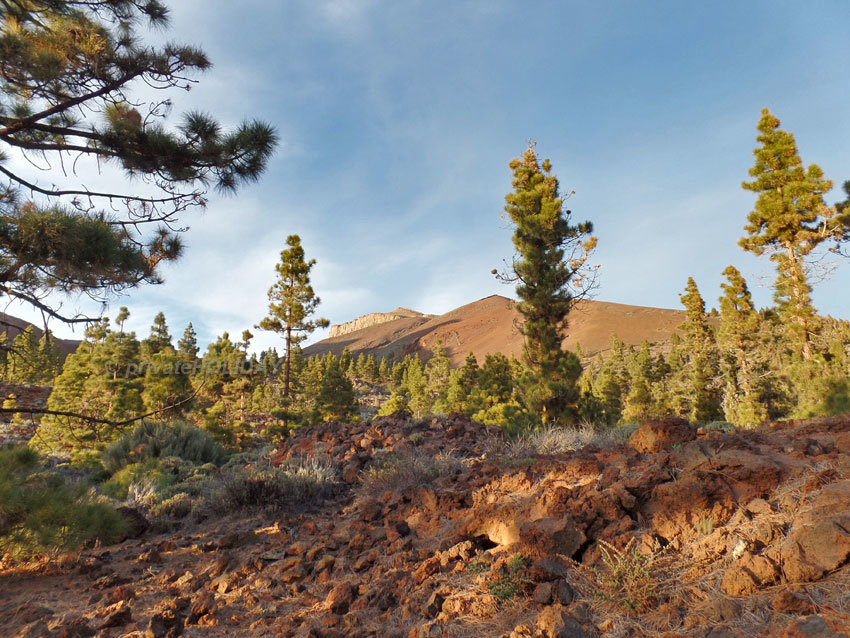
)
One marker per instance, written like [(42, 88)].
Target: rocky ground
[(440, 528)]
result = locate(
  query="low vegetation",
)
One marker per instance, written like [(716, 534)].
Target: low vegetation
[(44, 510)]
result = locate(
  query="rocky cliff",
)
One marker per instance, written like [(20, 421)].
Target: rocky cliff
[(373, 319)]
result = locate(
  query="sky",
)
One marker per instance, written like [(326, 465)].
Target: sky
[(397, 120)]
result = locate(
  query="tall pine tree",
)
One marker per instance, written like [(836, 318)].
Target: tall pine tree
[(699, 395), (738, 339), (790, 220), (549, 269), (291, 303)]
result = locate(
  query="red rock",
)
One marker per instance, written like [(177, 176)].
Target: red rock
[(819, 539), (788, 602), (550, 536), (663, 434), (556, 622), (542, 593), (340, 598)]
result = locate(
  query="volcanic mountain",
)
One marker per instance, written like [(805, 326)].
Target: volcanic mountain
[(490, 325), (13, 326)]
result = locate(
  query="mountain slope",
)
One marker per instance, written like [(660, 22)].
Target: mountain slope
[(13, 326), (490, 325)]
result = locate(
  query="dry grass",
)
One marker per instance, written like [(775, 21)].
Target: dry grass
[(560, 440), (299, 482), (407, 470)]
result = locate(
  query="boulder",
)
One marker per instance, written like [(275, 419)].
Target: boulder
[(556, 622), (551, 536), (819, 539), (662, 434)]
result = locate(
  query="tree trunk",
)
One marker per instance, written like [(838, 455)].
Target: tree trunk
[(797, 291), (287, 362)]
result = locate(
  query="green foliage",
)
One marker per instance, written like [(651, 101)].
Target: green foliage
[(396, 403), (743, 361), (156, 439), (697, 396), (438, 373), (638, 404), (149, 473), (32, 359), (789, 221), (42, 511), (336, 400), (67, 67), (512, 417), (292, 302), (628, 577), (552, 255), (512, 580), (102, 380)]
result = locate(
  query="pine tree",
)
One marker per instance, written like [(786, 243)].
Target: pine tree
[(188, 344), (737, 338), (697, 388), (790, 220), (291, 303), (159, 338), (32, 359), (100, 380), (612, 382), (345, 361), (336, 400), (438, 370), (462, 386), (415, 384), (638, 406), (383, 371), (550, 266), (66, 71)]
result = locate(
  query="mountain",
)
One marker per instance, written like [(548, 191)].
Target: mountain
[(13, 326), (490, 325)]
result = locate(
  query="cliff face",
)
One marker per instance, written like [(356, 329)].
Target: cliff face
[(372, 319)]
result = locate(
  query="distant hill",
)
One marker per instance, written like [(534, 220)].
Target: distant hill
[(13, 326), (490, 325)]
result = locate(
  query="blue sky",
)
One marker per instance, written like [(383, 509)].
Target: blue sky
[(398, 119)]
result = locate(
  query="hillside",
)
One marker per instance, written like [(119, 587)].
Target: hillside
[(712, 533), (490, 325), (14, 326)]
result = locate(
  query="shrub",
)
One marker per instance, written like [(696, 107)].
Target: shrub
[(155, 439), (628, 577), (396, 403), (559, 440), (41, 511), (511, 580), (513, 418), (150, 475), (178, 506), (297, 483), (398, 472)]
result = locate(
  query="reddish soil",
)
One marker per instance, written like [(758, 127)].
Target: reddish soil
[(742, 534)]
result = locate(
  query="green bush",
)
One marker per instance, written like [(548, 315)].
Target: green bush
[(178, 506), (512, 580), (151, 473), (155, 439), (512, 417), (42, 511)]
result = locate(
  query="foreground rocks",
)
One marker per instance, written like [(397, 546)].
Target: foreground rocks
[(713, 534)]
